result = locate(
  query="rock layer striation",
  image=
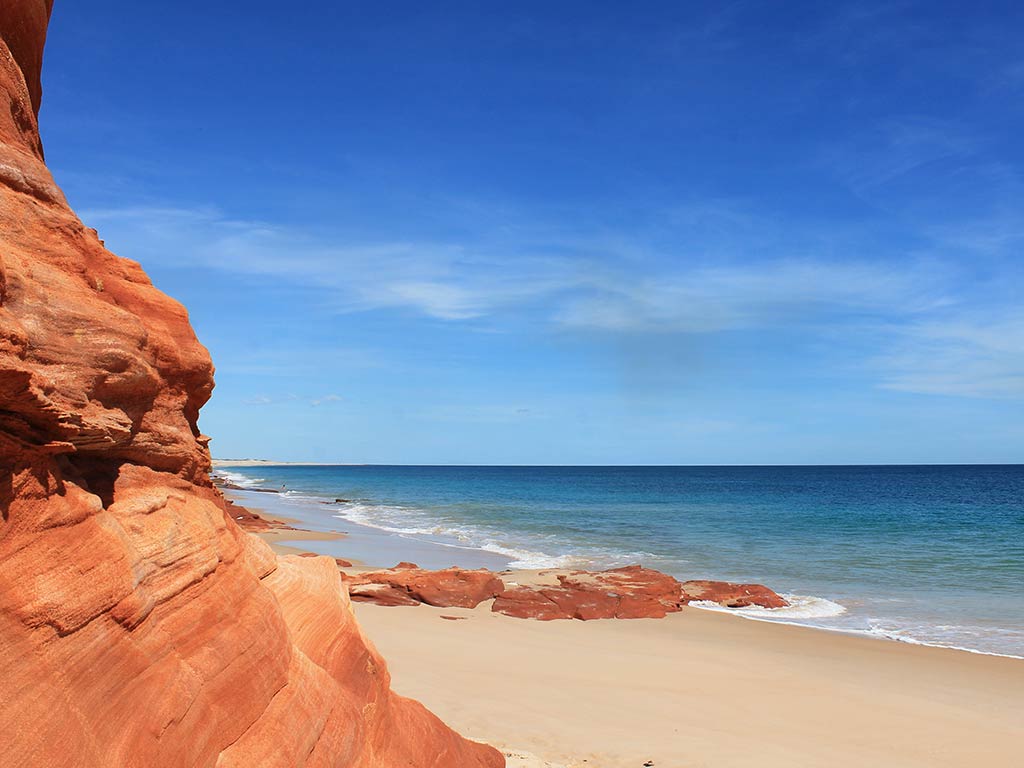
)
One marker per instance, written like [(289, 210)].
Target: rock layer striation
[(139, 626)]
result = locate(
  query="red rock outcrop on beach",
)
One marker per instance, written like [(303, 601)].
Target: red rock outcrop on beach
[(632, 592), (408, 585), (139, 626), (731, 595)]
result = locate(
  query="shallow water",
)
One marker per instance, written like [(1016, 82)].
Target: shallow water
[(921, 554)]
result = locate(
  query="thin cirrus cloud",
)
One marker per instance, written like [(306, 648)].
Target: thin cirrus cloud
[(896, 147), (325, 400), (441, 281), (942, 180), (780, 293), (292, 398), (920, 327), (970, 356), (450, 282)]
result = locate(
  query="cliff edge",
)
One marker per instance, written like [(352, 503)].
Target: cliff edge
[(138, 625)]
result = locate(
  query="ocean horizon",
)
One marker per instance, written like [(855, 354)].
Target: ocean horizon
[(930, 554)]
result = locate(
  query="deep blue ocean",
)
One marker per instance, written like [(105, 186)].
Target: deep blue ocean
[(929, 554)]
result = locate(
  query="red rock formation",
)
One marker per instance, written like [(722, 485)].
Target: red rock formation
[(632, 592), (450, 588), (139, 626), (731, 595)]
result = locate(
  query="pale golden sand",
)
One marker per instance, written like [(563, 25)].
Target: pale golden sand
[(702, 689)]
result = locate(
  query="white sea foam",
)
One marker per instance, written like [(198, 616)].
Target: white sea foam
[(243, 481), (804, 610), (388, 518), (405, 521), (530, 560), (410, 521), (913, 636), (800, 607)]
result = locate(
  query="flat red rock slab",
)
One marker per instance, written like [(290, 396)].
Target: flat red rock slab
[(632, 592), (449, 588), (621, 593), (731, 595)]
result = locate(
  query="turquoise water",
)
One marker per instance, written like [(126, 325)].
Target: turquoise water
[(921, 554)]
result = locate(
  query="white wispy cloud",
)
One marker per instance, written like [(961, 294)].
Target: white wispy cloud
[(932, 342), (943, 181), (440, 280), (891, 149), (332, 398), (969, 355), (291, 398), (258, 400), (773, 294)]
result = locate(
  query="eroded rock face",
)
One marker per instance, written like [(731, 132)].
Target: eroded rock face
[(139, 626), (406, 584)]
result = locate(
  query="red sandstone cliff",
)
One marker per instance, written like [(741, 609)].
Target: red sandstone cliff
[(138, 625)]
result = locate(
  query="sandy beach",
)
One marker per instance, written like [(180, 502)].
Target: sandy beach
[(702, 689), (697, 688)]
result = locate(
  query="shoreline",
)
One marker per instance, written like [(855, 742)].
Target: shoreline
[(383, 548), (342, 538), (698, 687)]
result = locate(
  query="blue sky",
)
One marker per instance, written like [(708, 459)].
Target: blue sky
[(569, 232)]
